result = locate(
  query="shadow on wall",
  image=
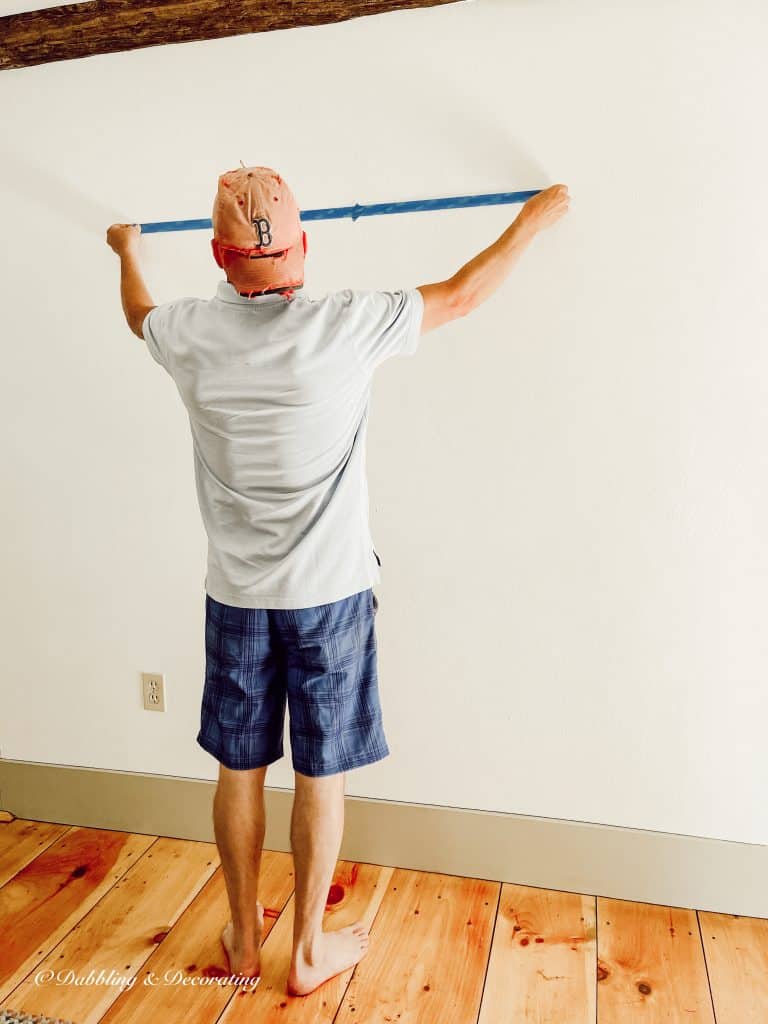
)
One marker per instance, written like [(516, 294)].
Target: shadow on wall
[(29, 181), (493, 157), (484, 145)]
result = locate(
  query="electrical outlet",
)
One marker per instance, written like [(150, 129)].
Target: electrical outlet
[(153, 691)]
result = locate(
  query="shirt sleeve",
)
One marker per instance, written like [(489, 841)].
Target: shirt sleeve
[(156, 328), (384, 324)]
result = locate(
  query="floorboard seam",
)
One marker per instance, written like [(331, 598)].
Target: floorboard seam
[(490, 951), (706, 967)]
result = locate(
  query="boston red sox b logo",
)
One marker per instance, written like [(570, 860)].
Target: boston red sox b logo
[(264, 229)]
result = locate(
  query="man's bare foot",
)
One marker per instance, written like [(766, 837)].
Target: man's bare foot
[(337, 951), (243, 960)]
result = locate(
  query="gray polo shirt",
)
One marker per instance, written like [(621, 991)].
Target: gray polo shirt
[(277, 393)]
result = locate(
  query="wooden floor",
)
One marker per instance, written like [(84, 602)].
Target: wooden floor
[(130, 926)]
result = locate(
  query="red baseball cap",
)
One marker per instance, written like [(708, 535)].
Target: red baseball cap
[(258, 238)]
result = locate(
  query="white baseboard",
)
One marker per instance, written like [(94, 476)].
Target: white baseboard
[(596, 860)]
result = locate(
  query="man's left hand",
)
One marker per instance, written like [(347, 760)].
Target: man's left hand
[(123, 238)]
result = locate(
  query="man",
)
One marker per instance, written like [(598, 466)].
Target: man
[(277, 387)]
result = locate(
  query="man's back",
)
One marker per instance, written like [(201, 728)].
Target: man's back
[(277, 393)]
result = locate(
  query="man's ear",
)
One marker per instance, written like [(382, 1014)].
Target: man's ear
[(216, 253)]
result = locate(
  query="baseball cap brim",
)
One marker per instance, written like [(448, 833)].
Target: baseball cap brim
[(262, 272)]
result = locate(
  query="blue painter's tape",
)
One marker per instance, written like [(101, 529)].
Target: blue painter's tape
[(176, 225), (371, 210)]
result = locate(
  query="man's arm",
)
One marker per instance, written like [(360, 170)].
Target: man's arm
[(137, 302), (478, 280)]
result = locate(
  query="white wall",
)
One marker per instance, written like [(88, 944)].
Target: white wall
[(568, 488)]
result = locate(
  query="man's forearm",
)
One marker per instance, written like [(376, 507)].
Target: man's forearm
[(481, 276), (478, 279), (133, 291)]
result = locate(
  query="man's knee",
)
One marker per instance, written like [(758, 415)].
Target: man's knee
[(330, 780), (238, 778)]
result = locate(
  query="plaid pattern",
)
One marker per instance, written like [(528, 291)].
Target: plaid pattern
[(321, 661)]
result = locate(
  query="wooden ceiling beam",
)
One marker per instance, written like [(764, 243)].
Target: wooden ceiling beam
[(110, 26)]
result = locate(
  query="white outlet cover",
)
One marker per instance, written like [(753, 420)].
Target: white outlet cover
[(153, 691)]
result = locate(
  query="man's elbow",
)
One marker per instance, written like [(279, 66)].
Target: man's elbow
[(136, 318), (462, 301), (443, 302)]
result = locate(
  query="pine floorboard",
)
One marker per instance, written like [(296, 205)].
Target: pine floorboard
[(542, 964), (651, 964), (736, 949)]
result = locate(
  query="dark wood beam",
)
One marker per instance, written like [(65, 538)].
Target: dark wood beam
[(108, 26)]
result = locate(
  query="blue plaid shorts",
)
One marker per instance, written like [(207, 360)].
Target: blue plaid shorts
[(321, 660)]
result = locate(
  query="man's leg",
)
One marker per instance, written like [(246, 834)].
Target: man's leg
[(317, 824), (239, 823)]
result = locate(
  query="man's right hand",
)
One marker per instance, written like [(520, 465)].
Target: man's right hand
[(546, 207)]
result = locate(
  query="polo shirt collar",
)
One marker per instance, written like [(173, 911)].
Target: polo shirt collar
[(228, 293)]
